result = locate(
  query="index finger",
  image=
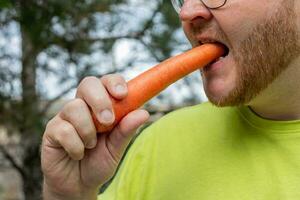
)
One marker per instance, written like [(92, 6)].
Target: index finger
[(116, 85), (92, 91)]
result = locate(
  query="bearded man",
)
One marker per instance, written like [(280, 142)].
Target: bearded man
[(243, 144)]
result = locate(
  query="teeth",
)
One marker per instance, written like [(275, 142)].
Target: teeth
[(220, 58), (207, 41)]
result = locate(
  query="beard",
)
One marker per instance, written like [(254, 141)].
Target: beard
[(261, 57)]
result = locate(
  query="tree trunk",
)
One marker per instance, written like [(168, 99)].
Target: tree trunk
[(31, 126), (32, 181)]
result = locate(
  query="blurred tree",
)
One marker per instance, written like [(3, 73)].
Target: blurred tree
[(69, 40)]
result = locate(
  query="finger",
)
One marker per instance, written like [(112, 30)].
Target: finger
[(77, 113), (61, 133), (116, 85), (119, 138), (92, 91)]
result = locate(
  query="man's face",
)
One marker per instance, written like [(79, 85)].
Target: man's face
[(262, 38)]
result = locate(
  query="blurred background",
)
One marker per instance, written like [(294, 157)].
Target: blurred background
[(48, 46)]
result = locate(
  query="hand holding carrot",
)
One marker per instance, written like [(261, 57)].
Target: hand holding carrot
[(76, 160)]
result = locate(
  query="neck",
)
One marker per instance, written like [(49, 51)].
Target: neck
[(281, 100)]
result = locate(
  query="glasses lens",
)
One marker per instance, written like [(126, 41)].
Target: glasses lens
[(214, 3), (177, 4)]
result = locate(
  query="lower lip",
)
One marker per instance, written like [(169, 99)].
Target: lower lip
[(214, 66)]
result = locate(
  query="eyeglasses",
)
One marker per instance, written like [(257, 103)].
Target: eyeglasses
[(211, 4)]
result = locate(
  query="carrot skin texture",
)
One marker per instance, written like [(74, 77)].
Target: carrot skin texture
[(151, 82)]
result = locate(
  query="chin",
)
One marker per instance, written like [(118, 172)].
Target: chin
[(220, 93), (217, 99)]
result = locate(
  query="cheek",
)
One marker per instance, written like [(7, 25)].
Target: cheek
[(244, 16), (235, 27)]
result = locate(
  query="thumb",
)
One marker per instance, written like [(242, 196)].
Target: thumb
[(122, 134)]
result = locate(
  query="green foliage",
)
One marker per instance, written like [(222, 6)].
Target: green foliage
[(161, 34), (170, 17), (5, 4)]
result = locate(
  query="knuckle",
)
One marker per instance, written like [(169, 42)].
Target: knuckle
[(120, 78), (102, 101), (64, 132), (85, 83), (51, 123), (87, 133), (77, 103), (111, 78), (51, 126), (77, 152), (106, 76), (88, 79), (72, 106), (116, 76)]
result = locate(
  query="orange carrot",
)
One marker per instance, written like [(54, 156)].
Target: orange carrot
[(151, 82)]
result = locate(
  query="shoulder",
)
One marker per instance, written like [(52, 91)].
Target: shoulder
[(201, 115)]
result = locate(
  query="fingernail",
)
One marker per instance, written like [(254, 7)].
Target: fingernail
[(91, 144), (106, 116), (120, 88)]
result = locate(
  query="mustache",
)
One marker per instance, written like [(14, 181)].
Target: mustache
[(212, 31), (200, 29)]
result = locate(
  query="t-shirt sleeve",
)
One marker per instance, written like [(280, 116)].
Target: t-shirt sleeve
[(128, 182)]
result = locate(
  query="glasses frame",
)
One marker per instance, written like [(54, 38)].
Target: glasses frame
[(203, 1)]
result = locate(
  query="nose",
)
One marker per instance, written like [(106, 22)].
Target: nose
[(194, 11)]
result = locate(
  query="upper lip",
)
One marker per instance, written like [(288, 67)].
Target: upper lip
[(204, 39), (201, 39)]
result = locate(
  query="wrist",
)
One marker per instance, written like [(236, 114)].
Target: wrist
[(49, 194)]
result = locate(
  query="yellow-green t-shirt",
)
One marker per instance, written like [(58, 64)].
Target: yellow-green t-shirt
[(208, 153)]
